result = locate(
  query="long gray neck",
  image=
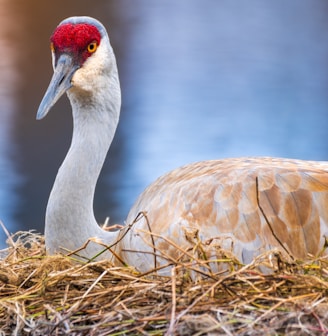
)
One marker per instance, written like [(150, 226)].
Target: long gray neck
[(70, 219)]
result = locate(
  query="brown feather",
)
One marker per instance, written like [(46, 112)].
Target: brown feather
[(247, 205)]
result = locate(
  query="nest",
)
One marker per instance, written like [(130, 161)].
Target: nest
[(57, 295)]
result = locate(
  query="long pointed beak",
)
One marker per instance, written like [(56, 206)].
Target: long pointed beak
[(59, 84)]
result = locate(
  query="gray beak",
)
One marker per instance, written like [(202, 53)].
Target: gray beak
[(60, 83)]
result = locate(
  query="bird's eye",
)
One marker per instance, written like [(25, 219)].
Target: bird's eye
[(92, 47)]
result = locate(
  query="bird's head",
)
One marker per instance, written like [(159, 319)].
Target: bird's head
[(81, 55)]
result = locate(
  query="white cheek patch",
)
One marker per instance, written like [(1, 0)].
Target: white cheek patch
[(86, 78)]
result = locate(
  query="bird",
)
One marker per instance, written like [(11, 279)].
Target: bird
[(246, 205)]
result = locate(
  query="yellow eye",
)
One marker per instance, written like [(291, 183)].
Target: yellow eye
[(92, 47), (52, 48)]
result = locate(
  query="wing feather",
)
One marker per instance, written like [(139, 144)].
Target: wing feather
[(256, 203)]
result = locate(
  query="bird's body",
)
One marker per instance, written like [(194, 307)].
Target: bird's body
[(246, 205)]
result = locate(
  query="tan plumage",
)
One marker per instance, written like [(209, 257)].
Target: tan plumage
[(248, 205)]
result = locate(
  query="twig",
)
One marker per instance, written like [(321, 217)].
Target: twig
[(7, 234), (267, 220), (170, 330)]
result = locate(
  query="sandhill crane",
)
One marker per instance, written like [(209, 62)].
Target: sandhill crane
[(247, 205)]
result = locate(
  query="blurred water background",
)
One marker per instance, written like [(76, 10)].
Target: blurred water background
[(201, 79)]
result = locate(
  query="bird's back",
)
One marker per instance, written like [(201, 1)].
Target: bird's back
[(246, 205)]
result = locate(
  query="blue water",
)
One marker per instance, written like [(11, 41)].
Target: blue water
[(200, 80)]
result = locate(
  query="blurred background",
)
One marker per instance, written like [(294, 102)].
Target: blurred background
[(201, 79)]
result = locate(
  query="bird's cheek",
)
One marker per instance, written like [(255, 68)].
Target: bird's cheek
[(80, 80), (77, 79)]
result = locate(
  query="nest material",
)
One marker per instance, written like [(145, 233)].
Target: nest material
[(44, 295)]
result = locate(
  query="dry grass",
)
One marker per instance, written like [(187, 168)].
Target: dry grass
[(43, 295)]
